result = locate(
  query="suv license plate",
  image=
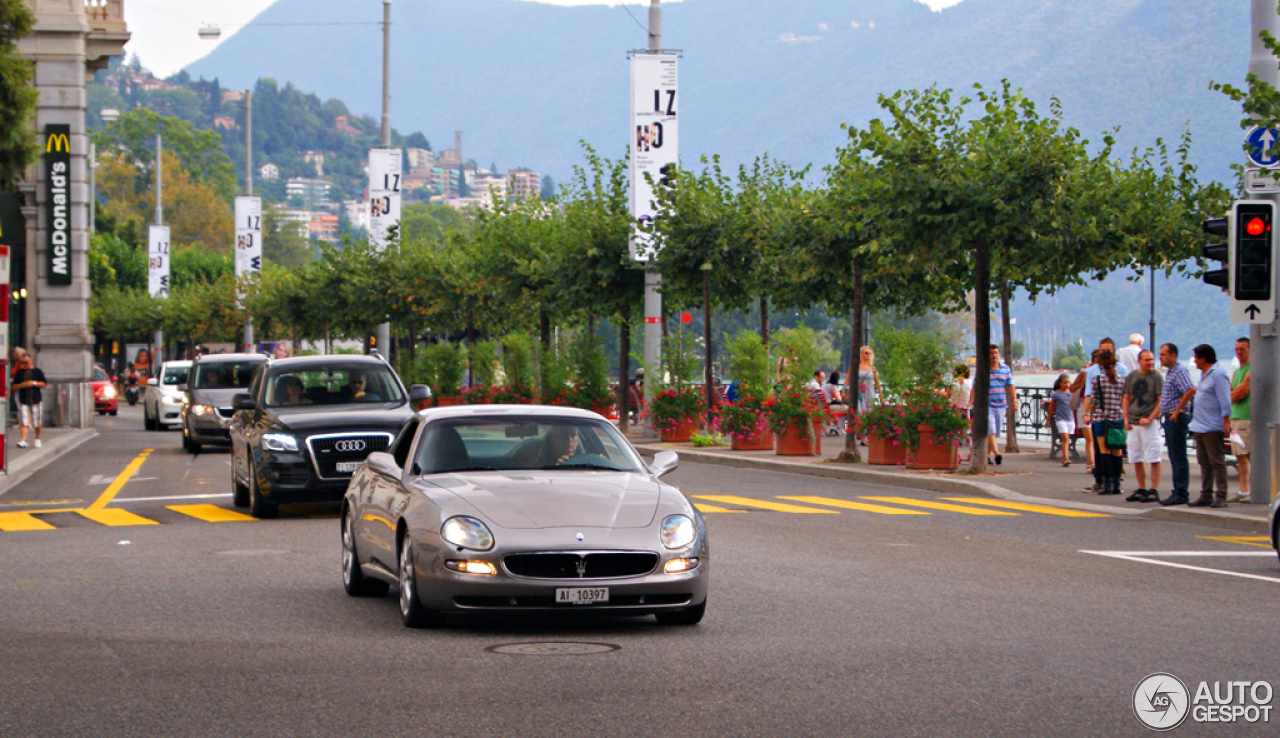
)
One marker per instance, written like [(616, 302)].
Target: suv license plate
[(348, 466), (582, 595)]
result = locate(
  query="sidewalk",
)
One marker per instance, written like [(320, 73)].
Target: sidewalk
[(1029, 477), (23, 462)]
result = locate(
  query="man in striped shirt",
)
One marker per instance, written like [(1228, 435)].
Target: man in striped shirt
[(1002, 393), (1175, 416)]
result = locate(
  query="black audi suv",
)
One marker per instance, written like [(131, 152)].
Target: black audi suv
[(306, 423)]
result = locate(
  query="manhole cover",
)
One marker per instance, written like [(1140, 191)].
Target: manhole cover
[(554, 648)]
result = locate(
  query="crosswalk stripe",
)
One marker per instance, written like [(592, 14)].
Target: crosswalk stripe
[(939, 506), (210, 513), (1045, 509), (12, 521), (703, 507), (764, 504), (866, 507), (115, 517)]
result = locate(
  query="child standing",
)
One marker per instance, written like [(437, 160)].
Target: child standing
[(1064, 418)]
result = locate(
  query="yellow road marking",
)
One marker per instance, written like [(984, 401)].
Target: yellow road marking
[(115, 517), (939, 506), (764, 504), (866, 507), (17, 503), (714, 508), (10, 521), (1259, 541), (114, 488), (210, 513), (1045, 509)]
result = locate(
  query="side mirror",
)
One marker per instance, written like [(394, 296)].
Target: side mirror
[(153, 382), (383, 463), (419, 396), (664, 462), (243, 401)]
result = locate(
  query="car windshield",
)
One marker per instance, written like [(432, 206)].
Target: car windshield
[(525, 444), (100, 375), (224, 374), (334, 384), (175, 375)]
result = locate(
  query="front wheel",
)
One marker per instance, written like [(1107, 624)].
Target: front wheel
[(148, 422), (239, 492), (113, 413), (132, 399), (412, 612), (687, 616), (354, 581), (258, 507)]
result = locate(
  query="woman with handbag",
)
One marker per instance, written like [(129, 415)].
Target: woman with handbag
[(1104, 408)]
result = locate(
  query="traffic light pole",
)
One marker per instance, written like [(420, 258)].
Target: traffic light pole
[(1264, 362)]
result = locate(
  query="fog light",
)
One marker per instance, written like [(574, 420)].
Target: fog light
[(675, 566), (481, 568)]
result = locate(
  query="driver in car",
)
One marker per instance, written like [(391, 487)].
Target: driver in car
[(562, 444)]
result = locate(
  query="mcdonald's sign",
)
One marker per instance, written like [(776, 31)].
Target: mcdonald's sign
[(57, 176)]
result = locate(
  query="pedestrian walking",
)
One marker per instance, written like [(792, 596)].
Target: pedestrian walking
[(27, 383), (1127, 357), (1064, 417), (962, 399), (1000, 399), (1142, 421), (1109, 346), (1105, 410), (1078, 389), (1240, 426), (868, 380), (1175, 415), (1210, 425)]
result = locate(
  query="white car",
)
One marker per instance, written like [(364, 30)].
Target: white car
[(162, 403)]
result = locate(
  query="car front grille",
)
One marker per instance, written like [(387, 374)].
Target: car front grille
[(327, 451), (226, 412), (605, 565), (498, 602)]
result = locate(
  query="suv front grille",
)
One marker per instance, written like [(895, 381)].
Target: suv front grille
[(581, 565), (327, 451)]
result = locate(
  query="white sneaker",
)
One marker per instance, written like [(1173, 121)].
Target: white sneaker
[(37, 443), (22, 444), (1239, 497)]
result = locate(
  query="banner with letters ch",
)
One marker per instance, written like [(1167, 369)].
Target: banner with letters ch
[(248, 238), (384, 195), (158, 261), (655, 140)]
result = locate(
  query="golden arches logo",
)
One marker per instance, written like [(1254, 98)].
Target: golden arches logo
[(57, 142)]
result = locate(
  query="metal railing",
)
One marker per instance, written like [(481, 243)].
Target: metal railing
[(105, 14)]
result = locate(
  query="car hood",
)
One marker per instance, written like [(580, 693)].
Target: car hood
[(215, 397), (306, 420), (552, 499)]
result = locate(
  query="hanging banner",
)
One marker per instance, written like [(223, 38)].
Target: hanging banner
[(57, 177), (384, 196), (158, 261), (248, 239), (655, 140)]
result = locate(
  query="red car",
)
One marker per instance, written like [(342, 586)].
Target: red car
[(106, 399)]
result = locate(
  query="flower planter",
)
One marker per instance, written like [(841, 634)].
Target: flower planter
[(682, 432), (605, 410), (763, 443), (931, 455), (447, 401), (789, 443), (885, 452)]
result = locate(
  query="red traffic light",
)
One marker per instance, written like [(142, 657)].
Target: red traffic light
[(1256, 227)]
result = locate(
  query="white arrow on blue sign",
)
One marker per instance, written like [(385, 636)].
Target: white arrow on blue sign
[(1262, 149)]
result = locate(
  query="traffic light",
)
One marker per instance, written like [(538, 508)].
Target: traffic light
[(1219, 252), (1252, 262)]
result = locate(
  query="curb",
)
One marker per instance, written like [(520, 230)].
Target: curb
[(1213, 519), (32, 461)]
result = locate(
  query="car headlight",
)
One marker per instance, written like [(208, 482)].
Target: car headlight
[(202, 409), (108, 392), (279, 442), (678, 531), (465, 532)]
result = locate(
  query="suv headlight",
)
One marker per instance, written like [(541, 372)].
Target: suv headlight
[(202, 410), (678, 531), (466, 532), (279, 442)]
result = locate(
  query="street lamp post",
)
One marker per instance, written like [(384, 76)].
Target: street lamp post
[(384, 329)]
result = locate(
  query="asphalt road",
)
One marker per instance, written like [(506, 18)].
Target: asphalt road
[(853, 621)]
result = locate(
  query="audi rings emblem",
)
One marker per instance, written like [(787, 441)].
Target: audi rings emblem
[(349, 446)]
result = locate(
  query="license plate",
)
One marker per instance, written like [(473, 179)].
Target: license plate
[(348, 466), (582, 595)]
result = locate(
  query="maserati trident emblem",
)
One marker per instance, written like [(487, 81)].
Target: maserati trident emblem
[(581, 537), (582, 567)]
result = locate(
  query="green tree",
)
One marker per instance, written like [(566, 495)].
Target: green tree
[(18, 96), (199, 153)]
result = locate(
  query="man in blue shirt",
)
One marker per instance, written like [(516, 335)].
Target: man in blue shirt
[(1210, 424), (1002, 394), (1175, 414)]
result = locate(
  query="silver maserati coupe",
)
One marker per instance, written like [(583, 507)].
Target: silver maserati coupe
[(487, 508)]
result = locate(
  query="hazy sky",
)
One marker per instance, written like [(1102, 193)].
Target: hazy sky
[(165, 31)]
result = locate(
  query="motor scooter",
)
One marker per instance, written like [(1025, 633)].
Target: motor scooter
[(131, 392)]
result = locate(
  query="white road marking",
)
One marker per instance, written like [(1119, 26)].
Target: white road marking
[(183, 497), (99, 479), (1149, 557)]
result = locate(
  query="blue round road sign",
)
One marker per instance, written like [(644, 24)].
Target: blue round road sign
[(1263, 146)]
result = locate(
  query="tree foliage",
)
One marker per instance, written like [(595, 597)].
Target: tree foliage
[(17, 95)]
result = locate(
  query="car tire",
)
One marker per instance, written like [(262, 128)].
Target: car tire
[(354, 581), (189, 444), (412, 613), (687, 616), (239, 492), (113, 413), (147, 421), (258, 507)]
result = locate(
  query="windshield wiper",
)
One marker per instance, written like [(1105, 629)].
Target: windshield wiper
[(585, 465), (467, 469)]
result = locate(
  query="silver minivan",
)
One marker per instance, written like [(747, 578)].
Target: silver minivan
[(206, 403)]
